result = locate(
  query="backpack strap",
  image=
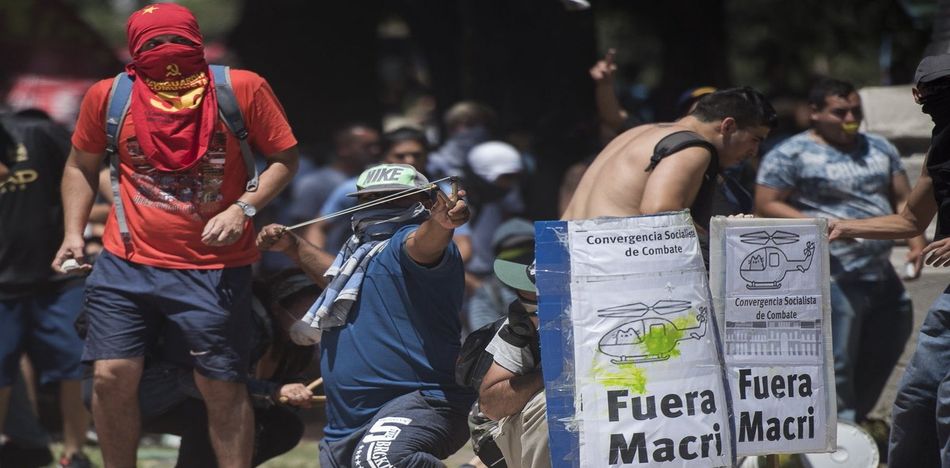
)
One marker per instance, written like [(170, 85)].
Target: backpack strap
[(116, 108), (678, 141), (231, 115), (701, 209)]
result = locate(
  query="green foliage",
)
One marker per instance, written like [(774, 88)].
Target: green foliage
[(780, 46)]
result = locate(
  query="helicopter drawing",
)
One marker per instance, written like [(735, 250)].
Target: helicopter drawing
[(765, 268), (628, 342)]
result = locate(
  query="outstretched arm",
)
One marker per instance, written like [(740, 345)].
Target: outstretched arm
[(912, 220), (612, 116), (900, 188), (313, 260), (426, 245)]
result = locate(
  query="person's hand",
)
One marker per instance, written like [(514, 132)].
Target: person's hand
[(73, 247), (835, 231), (741, 215), (295, 394), (276, 238), (915, 257), (603, 71), (450, 211), (225, 228), (939, 253)]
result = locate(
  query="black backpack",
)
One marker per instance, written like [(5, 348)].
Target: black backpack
[(473, 361)]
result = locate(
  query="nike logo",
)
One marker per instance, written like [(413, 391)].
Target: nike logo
[(198, 353)]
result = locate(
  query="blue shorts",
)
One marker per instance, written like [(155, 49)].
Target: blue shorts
[(204, 312), (41, 325)]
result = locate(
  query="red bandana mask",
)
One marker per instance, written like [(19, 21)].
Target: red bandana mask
[(173, 103)]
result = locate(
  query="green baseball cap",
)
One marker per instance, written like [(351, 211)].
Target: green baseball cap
[(389, 178), (515, 274)]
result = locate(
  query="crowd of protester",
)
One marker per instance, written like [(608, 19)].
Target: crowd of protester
[(379, 260)]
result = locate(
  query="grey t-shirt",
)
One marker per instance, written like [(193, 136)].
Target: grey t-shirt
[(827, 183), (514, 359)]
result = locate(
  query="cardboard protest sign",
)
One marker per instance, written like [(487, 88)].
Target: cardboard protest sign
[(770, 281), (630, 352)]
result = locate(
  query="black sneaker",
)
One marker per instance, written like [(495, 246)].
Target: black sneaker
[(78, 460)]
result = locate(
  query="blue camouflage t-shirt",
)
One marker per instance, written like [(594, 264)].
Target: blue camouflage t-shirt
[(402, 335), (827, 183)]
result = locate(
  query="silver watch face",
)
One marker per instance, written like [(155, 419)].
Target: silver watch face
[(247, 208)]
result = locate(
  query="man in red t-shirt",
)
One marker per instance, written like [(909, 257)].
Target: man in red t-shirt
[(186, 261)]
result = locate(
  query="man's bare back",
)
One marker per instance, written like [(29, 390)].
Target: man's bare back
[(617, 183)]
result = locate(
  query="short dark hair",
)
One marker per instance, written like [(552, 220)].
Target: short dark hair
[(747, 106), (828, 87), (401, 134), (344, 134), (469, 114)]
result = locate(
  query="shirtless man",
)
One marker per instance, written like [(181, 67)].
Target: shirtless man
[(730, 123), (622, 181)]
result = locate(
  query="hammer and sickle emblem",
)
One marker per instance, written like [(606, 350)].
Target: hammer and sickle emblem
[(172, 70)]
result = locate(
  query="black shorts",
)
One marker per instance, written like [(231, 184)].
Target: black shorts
[(206, 313)]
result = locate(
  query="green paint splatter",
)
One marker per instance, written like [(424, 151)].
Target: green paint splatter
[(662, 341), (659, 343), (627, 376)]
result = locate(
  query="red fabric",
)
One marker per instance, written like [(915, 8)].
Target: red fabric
[(167, 211), (159, 19), (174, 125), (169, 62)]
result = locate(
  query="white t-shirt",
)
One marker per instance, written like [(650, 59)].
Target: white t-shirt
[(514, 359)]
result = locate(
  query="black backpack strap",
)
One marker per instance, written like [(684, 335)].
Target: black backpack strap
[(678, 141), (231, 115), (116, 108)]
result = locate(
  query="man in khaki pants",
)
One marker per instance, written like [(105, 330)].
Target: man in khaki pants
[(512, 391)]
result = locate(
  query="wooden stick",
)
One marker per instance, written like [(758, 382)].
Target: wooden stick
[(311, 386), (315, 384), (315, 399)]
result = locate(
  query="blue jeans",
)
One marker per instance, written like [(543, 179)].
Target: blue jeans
[(41, 325), (920, 435), (871, 321), (22, 425)]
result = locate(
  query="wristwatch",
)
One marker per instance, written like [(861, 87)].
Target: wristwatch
[(247, 208)]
